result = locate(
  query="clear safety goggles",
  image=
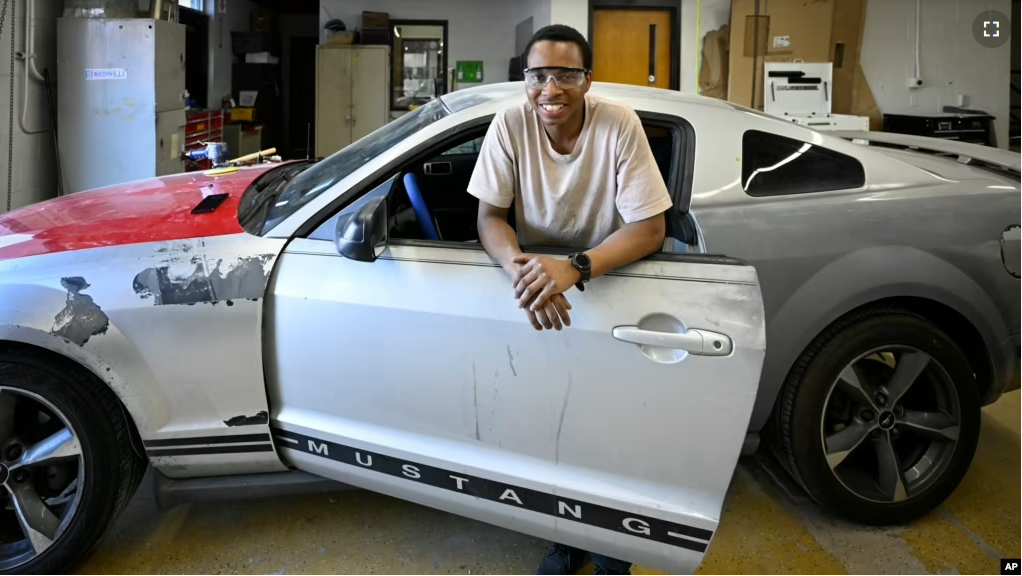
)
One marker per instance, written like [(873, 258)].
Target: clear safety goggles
[(564, 78)]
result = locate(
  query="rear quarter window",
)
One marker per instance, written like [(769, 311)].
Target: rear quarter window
[(774, 165)]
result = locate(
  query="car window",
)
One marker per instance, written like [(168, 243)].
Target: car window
[(470, 147), (775, 165), (327, 172)]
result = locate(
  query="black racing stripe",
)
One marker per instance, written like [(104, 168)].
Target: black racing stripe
[(201, 440), (563, 508), (206, 450)]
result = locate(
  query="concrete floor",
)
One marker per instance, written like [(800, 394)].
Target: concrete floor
[(764, 529)]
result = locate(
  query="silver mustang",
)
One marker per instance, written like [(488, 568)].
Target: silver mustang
[(853, 299)]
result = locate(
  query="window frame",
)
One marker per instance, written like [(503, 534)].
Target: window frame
[(679, 181)]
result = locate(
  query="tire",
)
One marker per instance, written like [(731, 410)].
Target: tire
[(112, 468), (819, 399)]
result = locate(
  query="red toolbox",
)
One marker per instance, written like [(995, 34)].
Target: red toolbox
[(202, 126)]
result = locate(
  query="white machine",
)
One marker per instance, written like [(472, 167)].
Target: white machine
[(120, 102), (801, 92)]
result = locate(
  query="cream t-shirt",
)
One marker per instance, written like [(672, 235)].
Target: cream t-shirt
[(574, 200)]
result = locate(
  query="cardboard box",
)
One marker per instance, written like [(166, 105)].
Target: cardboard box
[(713, 71), (790, 30), (375, 20)]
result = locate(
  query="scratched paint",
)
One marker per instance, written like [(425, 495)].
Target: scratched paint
[(81, 317), (243, 278), (259, 418)]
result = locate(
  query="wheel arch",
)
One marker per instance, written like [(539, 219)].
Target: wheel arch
[(901, 276), (72, 357)]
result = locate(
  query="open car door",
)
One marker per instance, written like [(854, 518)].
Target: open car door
[(408, 369)]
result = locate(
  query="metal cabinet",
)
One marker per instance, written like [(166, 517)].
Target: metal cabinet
[(352, 94)]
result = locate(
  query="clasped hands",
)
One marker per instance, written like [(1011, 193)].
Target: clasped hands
[(540, 283)]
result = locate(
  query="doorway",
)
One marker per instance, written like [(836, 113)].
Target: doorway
[(419, 50), (638, 45), (196, 54), (302, 114)]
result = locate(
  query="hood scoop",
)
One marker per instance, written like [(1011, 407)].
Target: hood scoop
[(210, 203)]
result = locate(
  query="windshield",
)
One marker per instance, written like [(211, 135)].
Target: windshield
[(336, 167)]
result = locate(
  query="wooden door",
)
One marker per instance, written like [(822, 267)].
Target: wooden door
[(630, 44)]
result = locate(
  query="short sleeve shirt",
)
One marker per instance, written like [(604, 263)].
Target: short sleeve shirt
[(578, 199)]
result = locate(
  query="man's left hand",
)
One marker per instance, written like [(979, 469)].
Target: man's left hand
[(540, 277)]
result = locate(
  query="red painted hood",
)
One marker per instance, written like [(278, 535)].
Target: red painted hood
[(152, 210)]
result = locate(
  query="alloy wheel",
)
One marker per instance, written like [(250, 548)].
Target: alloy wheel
[(891, 423), (42, 473)]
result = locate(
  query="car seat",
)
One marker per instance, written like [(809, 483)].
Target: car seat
[(422, 214)]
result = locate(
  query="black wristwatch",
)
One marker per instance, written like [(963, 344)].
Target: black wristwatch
[(582, 263)]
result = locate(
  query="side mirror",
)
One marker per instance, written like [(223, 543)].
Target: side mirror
[(362, 234)]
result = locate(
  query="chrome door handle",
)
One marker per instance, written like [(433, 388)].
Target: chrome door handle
[(693, 341)]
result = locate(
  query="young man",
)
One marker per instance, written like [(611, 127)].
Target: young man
[(580, 173)]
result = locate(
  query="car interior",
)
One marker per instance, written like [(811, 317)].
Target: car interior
[(429, 201)]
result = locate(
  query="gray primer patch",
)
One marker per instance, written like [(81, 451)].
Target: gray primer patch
[(260, 417), (246, 280), (81, 318)]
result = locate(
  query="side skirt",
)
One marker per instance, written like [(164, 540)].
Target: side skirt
[(169, 492)]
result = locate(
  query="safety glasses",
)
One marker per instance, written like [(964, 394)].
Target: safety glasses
[(564, 78)]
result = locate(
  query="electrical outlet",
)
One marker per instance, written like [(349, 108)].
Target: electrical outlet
[(914, 82)]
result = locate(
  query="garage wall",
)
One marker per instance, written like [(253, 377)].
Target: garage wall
[(539, 13), (33, 176), (476, 29), (951, 61)]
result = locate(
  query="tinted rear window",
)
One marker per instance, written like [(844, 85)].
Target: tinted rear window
[(774, 165)]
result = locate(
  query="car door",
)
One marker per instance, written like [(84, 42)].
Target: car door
[(416, 375)]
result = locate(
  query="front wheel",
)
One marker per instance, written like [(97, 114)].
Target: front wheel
[(879, 419), (66, 464)]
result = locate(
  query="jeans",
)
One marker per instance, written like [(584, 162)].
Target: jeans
[(607, 565), (561, 559)]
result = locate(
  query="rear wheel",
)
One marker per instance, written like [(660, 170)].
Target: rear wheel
[(66, 464), (879, 419)]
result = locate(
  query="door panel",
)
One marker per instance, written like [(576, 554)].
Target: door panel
[(333, 99), (621, 46), (170, 136), (417, 376), (370, 87)]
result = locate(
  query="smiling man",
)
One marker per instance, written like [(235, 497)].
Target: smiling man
[(580, 174)]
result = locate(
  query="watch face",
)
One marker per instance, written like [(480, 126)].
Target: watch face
[(582, 260)]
